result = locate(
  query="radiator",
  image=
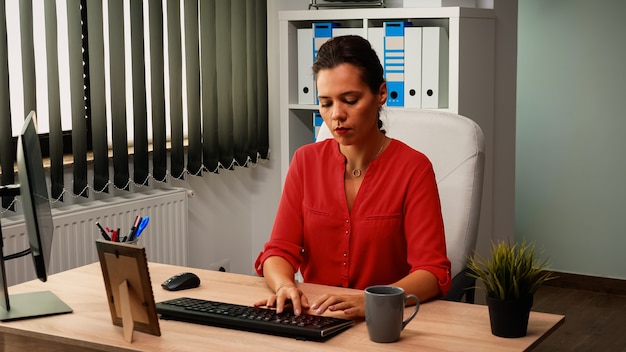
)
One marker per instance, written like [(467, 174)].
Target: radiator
[(75, 231)]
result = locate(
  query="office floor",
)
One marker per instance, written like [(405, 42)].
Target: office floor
[(593, 321)]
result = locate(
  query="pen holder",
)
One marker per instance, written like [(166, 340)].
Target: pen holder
[(134, 241)]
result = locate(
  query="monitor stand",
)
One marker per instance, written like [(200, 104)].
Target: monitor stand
[(33, 304), (25, 305)]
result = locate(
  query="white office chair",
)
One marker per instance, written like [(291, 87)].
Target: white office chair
[(455, 146)]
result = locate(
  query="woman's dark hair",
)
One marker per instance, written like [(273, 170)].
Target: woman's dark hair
[(355, 50)]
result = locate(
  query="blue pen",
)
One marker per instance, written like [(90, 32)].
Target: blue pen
[(142, 226)]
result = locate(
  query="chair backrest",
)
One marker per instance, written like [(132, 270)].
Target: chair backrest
[(455, 146)]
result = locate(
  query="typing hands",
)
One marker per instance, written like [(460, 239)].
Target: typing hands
[(353, 306), (286, 296)]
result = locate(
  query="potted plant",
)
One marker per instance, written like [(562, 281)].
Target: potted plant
[(510, 277)]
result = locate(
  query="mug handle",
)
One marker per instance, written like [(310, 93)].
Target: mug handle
[(417, 308)]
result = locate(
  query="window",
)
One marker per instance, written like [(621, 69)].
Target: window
[(177, 81)]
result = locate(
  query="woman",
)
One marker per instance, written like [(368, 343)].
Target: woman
[(357, 210)]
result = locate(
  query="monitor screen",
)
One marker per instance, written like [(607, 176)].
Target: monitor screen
[(40, 228), (34, 196)]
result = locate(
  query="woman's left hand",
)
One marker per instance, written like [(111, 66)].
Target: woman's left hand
[(353, 306)]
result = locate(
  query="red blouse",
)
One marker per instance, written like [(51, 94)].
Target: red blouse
[(395, 226)]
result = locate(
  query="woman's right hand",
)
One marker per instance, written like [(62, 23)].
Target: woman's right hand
[(286, 295)]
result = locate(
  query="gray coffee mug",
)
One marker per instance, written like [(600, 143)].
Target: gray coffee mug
[(384, 312)]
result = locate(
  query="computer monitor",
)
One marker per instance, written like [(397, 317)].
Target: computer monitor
[(34, 196), (40, 229)]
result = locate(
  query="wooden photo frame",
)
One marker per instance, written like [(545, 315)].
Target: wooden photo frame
[(128, 287)]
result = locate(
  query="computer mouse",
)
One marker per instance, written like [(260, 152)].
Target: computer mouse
[(181, 281)]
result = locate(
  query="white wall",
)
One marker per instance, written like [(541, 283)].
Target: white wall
[(571, 163)]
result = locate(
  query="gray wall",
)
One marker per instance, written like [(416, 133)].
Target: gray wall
[(570, 151)]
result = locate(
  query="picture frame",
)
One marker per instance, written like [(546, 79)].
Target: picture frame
[(128, 287)]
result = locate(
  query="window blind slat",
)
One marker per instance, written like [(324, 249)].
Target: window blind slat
[(262, 113), (251, 140), (7, 151), (157, 90), (224, 82), (118, 93), (28, 56), (208, 74), (54, 102), (239, 80), (175, 88), (97, 92), (79, 125), (192, 64), (140, 115)]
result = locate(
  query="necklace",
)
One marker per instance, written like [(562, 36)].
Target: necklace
[(356, 173)]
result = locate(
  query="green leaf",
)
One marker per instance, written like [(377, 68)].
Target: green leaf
[(512, 271)]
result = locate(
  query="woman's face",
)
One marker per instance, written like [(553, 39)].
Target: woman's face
[(347, 105)]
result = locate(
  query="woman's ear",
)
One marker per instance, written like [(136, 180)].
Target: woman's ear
[(382, 94)]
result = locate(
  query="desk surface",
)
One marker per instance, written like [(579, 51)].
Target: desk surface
[(439, 325)]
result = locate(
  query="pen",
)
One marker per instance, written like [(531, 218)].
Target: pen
[(131, 234), (103, 232), (142, 226), (114, 236)]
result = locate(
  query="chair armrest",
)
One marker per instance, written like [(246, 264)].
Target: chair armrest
[(462, 285)]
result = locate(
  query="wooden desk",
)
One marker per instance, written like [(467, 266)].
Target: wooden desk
[(439, 325)]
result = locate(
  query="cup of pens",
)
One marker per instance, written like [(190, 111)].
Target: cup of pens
[(115, 235)]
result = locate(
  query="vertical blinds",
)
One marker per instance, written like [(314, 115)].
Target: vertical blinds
[(182, 83)]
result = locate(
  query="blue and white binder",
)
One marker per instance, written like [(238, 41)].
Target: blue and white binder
[(339, 31), (317, 123), (393, 62), (435, 56), (376, 37), (322, 31), (413, 67), (306, 81)]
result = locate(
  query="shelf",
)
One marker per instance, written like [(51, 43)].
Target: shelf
[(470, 63), (386, 13)]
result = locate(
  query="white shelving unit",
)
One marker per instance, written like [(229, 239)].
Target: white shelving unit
[(471, 65)]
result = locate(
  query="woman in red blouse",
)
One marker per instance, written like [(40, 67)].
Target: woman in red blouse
[(357, 210)]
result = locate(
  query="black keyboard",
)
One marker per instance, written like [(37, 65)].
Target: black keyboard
[(256, 319)]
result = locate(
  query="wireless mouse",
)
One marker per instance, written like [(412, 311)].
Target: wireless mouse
[(181, 281)]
